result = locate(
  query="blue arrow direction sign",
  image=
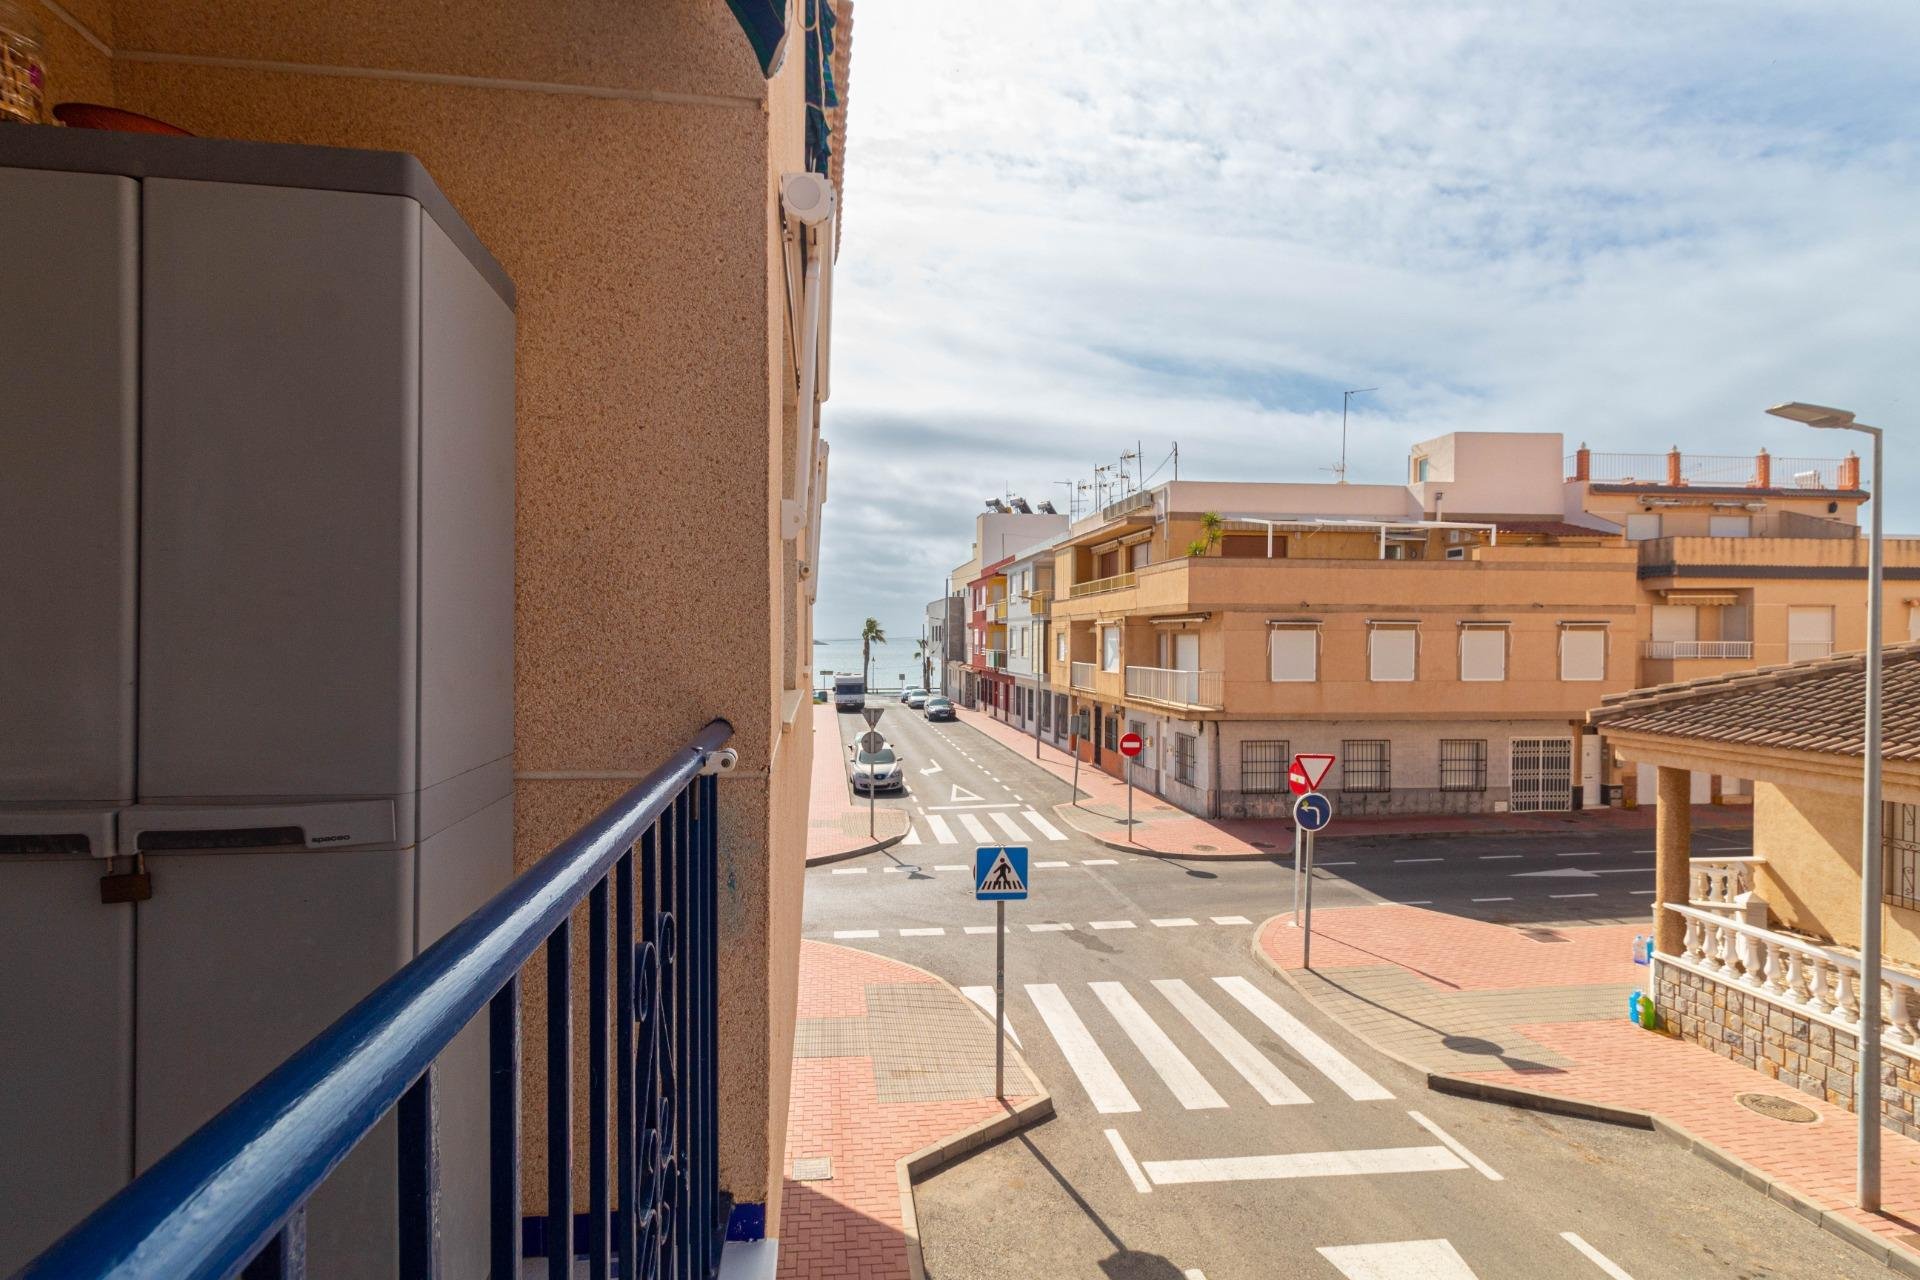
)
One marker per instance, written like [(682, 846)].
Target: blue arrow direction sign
[(1312, 811), (1000, 873)]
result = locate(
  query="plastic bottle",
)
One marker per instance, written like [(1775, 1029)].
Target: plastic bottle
[(1640, 950)]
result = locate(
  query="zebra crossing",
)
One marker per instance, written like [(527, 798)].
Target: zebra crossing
[(1167, 1025), (973, 828)]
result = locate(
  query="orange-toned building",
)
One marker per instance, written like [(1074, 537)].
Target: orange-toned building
[(1445, 637)]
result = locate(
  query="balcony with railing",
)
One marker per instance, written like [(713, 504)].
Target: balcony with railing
[(1670, 649), (1081, 675), (1196, 689), (1675, 469), (996, 659), (233, 1196), (999, 611), (1098, 586)]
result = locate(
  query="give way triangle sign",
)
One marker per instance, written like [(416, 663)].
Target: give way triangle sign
[(1307, 772)]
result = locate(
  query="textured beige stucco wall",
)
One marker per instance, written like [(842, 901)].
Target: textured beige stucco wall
[(1811, 880), (636, 220)]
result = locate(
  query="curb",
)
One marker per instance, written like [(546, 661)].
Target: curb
[(1892, 1256), (821, 859)]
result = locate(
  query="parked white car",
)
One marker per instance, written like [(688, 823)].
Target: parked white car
[(882, 770)]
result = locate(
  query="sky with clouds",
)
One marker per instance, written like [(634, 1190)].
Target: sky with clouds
[(1071, 226)]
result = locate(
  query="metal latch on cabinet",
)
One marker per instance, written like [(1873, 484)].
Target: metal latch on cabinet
[(127, 881)]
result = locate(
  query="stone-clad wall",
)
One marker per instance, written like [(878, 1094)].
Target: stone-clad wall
[(1810, 1056)]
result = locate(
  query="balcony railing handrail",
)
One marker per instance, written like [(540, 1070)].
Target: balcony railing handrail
[(1660, 649), (1118, 582), (230, 1188), (1080, 675), (1175, 685)]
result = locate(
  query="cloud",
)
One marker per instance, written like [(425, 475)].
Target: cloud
[(1074, 226)]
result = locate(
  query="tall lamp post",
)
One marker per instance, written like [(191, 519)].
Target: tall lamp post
[(1867, 1081)]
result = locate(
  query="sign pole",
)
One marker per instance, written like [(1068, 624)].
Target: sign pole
[(1076, 758), (1306, 941), (1130, 839), (1000, 1000), (1299, 838)]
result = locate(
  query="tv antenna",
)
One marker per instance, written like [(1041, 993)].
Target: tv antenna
[(1346, 397)]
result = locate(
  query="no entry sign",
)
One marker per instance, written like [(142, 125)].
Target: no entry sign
[(1307, 772), (1131, 745)]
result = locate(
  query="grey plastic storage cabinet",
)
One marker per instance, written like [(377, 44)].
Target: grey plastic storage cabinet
[(256, 505)]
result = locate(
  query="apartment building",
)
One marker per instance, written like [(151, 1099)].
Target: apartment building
[(1027, 611), (977, 675), (1443, 637)]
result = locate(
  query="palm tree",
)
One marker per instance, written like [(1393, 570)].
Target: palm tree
[(870, 635), (1211, 526), (923, 654)]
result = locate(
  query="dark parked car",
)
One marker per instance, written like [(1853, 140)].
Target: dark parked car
[(939, 708)]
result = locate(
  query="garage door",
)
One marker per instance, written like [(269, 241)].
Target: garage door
[(1541, 779)]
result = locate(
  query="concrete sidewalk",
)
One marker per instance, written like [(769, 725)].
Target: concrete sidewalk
[(1160, 828), (892, 1079), (836, 822), (1538, 1015)]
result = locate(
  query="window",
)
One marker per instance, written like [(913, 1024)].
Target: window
[(1145, 759), (1137, 555), (1729, 526), (1366, 765), (1063, 646), (1110, 732), (1900, 837), (1640, 528), (1583, 653), (1046, 714), (1421, 470), (1483, 653), (1061, 724), (1809, 632), (1293, 653), (1185, 749), (1463, 764), (1263, 766), (1390, 652), (1109, 648)]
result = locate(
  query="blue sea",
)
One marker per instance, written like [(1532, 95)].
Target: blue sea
[(893, 662)]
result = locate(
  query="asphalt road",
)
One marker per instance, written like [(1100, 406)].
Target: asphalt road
[(1209, 1122)]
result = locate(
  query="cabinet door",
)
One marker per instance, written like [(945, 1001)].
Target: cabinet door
[(279, 492), (69, 364)]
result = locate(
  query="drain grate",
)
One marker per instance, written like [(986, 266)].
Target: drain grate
[(1775, 1107)]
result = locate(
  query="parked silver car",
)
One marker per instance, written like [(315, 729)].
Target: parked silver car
[(882, 770)]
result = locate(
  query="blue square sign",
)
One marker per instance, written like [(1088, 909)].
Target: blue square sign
[(1000, 873)]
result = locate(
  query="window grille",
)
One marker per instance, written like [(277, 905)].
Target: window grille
[(1263, 766), (1366, 764), (1463, 764)]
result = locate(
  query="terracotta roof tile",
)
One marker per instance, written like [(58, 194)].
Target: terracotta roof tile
[(1818, 705)]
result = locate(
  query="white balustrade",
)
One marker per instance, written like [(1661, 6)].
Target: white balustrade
[(1805, 977), (1719, 882), (1668, 649), (1082, 674)]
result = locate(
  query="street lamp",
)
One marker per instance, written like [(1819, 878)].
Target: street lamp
[(1867, 1082)]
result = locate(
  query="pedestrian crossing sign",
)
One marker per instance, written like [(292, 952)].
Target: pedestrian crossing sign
[(1000, 873)]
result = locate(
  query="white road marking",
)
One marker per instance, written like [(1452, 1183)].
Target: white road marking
[(923, 933), (1455, 1146), (1005, 822), (1128, 1163), (1582, 853), (1267, 1080), (982, 928), (935, 767), (1054, 927), (856, 933), (1105, 1089), (1397, 860), (951, 866), (1112, 924), (1174, 922), (1643, 893), (983, 996), (913, 835), (1573, 895), (1188, 1086), (961, 795), (1053, 864), (1302, 1164), (942, 833), (1230, 920), (1401, 1260), (1612, 1269), (1047, 829), (1330, 1062), (1336, 864), (1490, 899), (1500, 857), (1410, 902), (849, 871), (976, 828), (948, 808), (1193, 1273), (1099, 862)]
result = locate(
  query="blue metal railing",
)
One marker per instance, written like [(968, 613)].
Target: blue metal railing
[(232, 1196)]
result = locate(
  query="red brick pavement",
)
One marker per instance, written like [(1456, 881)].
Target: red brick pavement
[(851, 1225), (1617, 1064), (1162, 828)]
